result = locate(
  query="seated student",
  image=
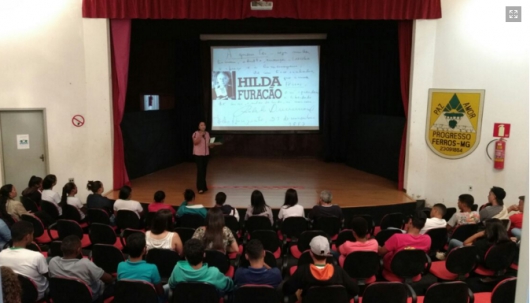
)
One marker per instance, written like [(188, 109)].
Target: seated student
[(494, 233), (465, 215), (34, 189), (319, 273), (11, 289), (68, 197), (412, 239), (136, 268), (124, 203), (159, 203), (436, 220), (258, 272), (161, 235), (23, 261), (12, 207), (188, 207), (5, 232), (362, 243), (258, 207), (215, 235), (495, 204), (290, 207), (220, 199), (95, 199), (70, 266), (48, 194), (193, 269), (516, 220), (325, 208)]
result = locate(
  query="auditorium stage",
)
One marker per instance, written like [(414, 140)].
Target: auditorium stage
[(238, 177)]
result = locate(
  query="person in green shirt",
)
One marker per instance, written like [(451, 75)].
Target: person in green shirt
[(188, 207)]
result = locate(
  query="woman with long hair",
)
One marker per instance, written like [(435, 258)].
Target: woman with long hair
[(34, 189), (215, 235), (68, 197), (161, 235), (48, 194), (11, 288), (96, 198), (290, 207), (258, 207), (10, 208), (494, 233)]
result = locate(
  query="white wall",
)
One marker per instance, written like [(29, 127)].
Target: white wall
[(471, 47), (51, 58)]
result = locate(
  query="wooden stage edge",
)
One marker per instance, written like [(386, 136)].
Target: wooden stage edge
[(238, 177)]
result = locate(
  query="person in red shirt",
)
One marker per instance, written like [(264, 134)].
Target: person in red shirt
[(516, 220), (159, 203)]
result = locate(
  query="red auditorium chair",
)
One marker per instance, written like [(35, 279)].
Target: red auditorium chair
[(40, 234), (127, 219), (68, 289), (33, 246), (70, 227), (256, 294), (407, 266), (193, 292), (107, 257), (71, 212), (165, 260), (104, 234), (50, 208), (331, 293), (385, 234), (219, 260), (387, 292), (363, 266), (302, 244), (127, 291), (29, 204), (97, 215), (343, 236), (330, 225), (126, 233), (454, 292), (449, 212), (395, 220), (497, 260), (54, 249), (29, 290), (270, 241), (438, 239), (306, 258), (232, 223), (291, 228), (185, 233), (457, 265), (502, 293), (257, 223), (191, 221)]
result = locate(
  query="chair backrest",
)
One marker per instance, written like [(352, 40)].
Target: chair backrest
[(29, 204), (126, 233), (343, 236), (438, 238), (331, 293), (66, 290), (29, 289), (505, 223), (97, 215), (330, 225), (54, 249), (449, 212), (149, 217), (500, 256), (461, 260), (126, 291), (385, 234), (217, 259), (454, 292), (50, 208), (257, 222), (256, 294), (68, 227), (268, 238), (306, 237), (409, 263), (127, 219), (164, 259), (185, 233), (361, 265), (392, 220), (464, 231), (107, 257), (504, 291), (232, 223), (474, 207), (192, 292), (388, 292), (269, 260), (71, 212), (305, 258), (38, 227), (102, 234), (293, 227), (191, 221), (33, 246)]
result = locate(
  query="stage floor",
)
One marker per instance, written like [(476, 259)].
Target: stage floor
[(238, 177)]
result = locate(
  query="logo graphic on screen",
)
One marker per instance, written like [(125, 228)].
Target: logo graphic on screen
[(151, 102), (223, 85)]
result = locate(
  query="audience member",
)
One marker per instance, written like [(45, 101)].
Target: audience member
[(70, 266), (125, 203), (194, 270), (258, 207), (11, 289), (136, 268), (48, 194), (34, 189), (494, 233), (319, 273), (159, 204), (465, 215), (412, 239), (516, 220), (220, 199), (324, 208), (290, 207), (362, 243), (5, 232), (161, 234), (96, 199), (188, 207), (215, 235), (495, 204), (68, 197), (12, 207), (436, 220), (23, 261), (258, 272)]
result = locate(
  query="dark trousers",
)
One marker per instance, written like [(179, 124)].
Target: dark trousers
[(202, 163)]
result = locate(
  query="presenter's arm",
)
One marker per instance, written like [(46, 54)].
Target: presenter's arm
[(197, 137)]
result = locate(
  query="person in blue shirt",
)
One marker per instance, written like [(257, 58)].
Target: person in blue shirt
[(5, 234), (258, 273), (188, 207)]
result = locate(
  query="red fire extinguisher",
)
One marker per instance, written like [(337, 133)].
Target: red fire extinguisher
[(500, 153)]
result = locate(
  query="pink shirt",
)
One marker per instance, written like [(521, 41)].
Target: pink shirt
[(201, 149), (349, 247), (156, 206), (399, 242)]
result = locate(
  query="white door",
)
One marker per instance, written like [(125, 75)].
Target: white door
[(23, 146)]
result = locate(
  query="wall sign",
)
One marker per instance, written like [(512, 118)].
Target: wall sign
[(78, 120), (22, 141), (501, 130), (454, 121)]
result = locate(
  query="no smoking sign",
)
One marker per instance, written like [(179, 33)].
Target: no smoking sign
[(78, 120)]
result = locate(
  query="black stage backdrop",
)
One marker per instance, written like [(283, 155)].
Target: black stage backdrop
[(362, 115)]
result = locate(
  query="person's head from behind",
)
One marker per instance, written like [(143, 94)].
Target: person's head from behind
[(257, 201), (326, 197), (125, 192), (71, 246), (416, 221), (163, 221), (495, 231), (136, 245), (291, 198), (35, 182), (159, 196), (69, 190), (95, 186), (10, 285), (22, 233), (189, 195), (254, 251), (194, 251), (49, 182), (496, 196), (220, 198), (438, 210), (465, 202), (521, 203), (359, 227), (320, 249)]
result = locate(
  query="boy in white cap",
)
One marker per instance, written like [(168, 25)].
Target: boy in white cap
[(319, 273)]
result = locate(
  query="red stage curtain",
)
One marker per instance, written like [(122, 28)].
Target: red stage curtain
[(121, 40), (405, 46), (240, 9)]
